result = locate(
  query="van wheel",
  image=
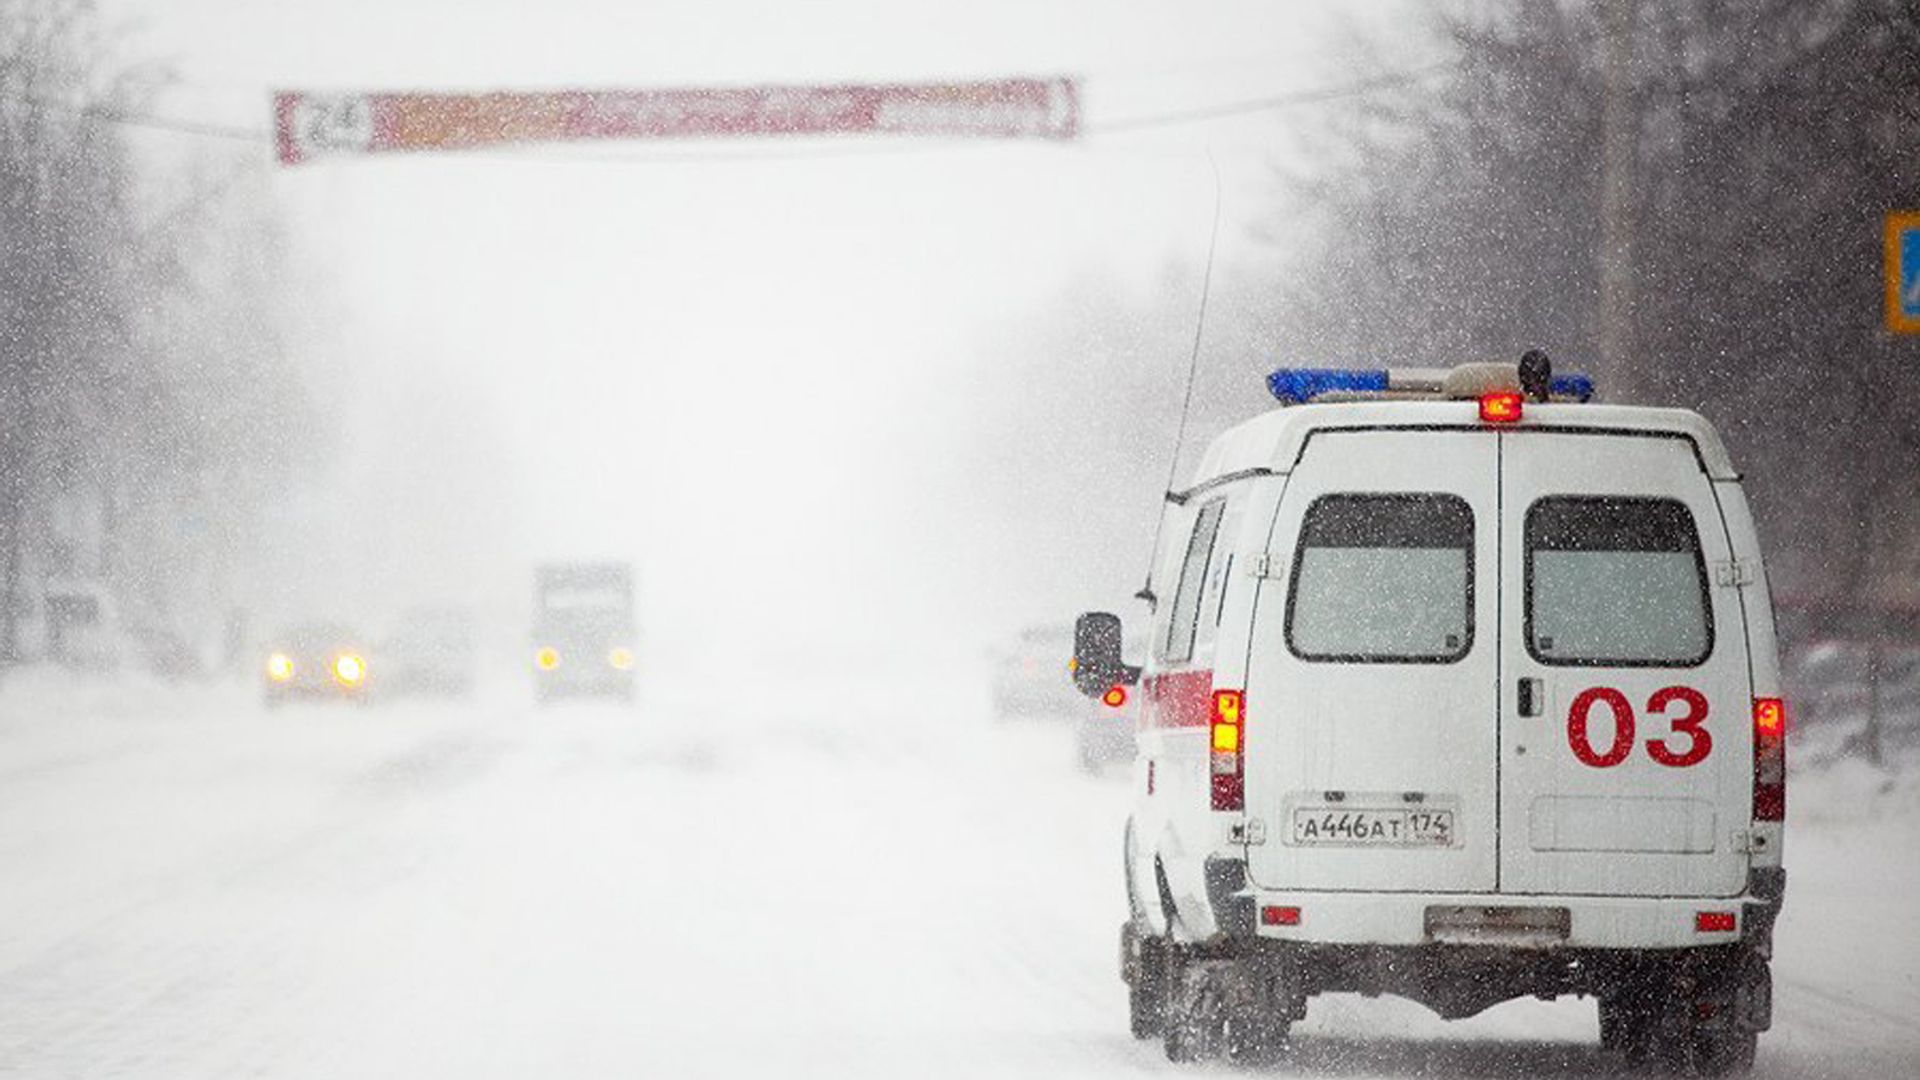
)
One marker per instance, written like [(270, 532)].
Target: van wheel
[(1197, 1016), (1147, 966), (1695, 1027), (1255, 1037), (1719, 1053), (1627, 1025)]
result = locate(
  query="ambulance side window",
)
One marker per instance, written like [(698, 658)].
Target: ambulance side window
[(1616, 582), (1381, 579), (1177, 646), (1213, 594)]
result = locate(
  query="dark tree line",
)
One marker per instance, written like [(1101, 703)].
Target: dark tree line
[(1764, 141), (148, 407)]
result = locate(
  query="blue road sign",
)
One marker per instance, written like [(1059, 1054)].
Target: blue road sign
[(1903, 271)]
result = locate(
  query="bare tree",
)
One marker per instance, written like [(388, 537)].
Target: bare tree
[(1471, 219), (147, 403)]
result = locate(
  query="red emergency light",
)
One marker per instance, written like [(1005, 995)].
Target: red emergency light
[(1501, 407)]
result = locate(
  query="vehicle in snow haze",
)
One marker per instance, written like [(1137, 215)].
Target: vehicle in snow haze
[(80, 625), (1110, 710), (1030, 675), (1464, 689), (316, 661), (430, 651), (1103, 735), (583, 631)]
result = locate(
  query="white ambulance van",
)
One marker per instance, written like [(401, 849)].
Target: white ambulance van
[(1464, 689)]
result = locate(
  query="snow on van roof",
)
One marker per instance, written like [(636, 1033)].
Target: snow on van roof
[(1273, 441)]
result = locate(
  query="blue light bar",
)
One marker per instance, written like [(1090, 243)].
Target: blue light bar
[(1577, 387), (1297, 386)]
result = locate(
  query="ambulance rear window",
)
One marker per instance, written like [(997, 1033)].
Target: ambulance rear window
[(1383, 579), (1616, 582)]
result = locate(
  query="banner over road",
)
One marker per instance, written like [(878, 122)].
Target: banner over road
[(307, 126)]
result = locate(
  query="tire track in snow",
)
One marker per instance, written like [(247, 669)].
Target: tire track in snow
[(155, 956)]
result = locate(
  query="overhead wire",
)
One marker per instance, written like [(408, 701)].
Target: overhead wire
[(158, 122), (150, 121), (1205, 113), (1394, 80)]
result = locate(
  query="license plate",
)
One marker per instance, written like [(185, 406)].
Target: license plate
[(1337, 827)]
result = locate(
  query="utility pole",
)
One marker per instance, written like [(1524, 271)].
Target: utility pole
[(1619, 139)]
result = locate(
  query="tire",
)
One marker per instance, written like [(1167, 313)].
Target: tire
[(1196, 1025), (1718, 1053), (1254, 1037), (1146, 1010), (1693, 1023), (1147, 989), (1626, 1026), (1187, 1039)]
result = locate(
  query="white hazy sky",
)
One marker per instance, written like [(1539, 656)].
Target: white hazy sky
[(725, 370)]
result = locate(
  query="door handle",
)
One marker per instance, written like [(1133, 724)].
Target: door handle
[(1531, 697)]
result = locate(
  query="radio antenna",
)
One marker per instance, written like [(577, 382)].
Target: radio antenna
[(1193, 370)]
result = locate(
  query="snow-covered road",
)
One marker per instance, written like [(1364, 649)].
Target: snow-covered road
[(744, 882)]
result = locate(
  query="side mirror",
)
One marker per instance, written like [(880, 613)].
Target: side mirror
[(1097, 663)]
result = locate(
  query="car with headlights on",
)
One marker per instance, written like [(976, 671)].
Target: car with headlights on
[(316, 661)]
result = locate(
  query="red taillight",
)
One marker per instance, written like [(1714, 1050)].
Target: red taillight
[(1229, 751), (1279, 916), (1114, 697), (1714, 922), (1769, 759), (1501, 407)]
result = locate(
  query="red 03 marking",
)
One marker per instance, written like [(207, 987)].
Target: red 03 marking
[(1689, 722), (1582, 744)]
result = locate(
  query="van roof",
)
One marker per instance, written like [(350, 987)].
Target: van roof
[(1272, 442)]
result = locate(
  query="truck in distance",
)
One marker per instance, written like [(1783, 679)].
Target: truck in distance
[(583, 631)]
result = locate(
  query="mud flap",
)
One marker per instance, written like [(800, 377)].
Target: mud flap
[(1228, 897), (1753, 997)]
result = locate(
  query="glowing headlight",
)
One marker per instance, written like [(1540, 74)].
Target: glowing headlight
[(279, 667), (349, 669), (547, 658), (620, 657)]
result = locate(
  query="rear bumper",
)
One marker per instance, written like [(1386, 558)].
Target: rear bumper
[(1492, 920), (1375, 943)]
